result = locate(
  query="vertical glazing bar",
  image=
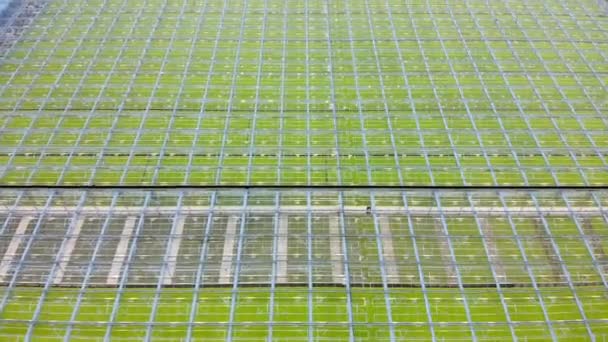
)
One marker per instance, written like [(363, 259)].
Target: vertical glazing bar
[(309, 179), (282, 251), (114, 126), (173, 248), (429, 168), (336, 152), (443, 240), (10, 210), (498, 272), (276, 232), (525, 116), (200, 271), (125, 272), (602, 266), (564, 268), (91, 267), (281, 132), (368, 167), (26, 251), (527, 266), (232, 322), (463, 97), (200, 20), (73, 229), (579, 117), (233, 91), (74, 96), (167, 268), (335, 249), (161, 152), (452, 254), (585, 237), (230, 239), (505, 133), (453, 152), (13, 246), (423, 285), (141, 128), (253, 128), (56, 84), (385, 105), (121, 250), (384, 268), (332, 92), (204, 98), (489, 241), (309, 267), (279, 247), (538, 88), (64, 255), (388, 251), (358, 99), (33, 169), (346, 260)]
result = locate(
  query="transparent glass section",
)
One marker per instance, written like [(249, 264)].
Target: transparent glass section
[(298, 265), (374, 92)]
